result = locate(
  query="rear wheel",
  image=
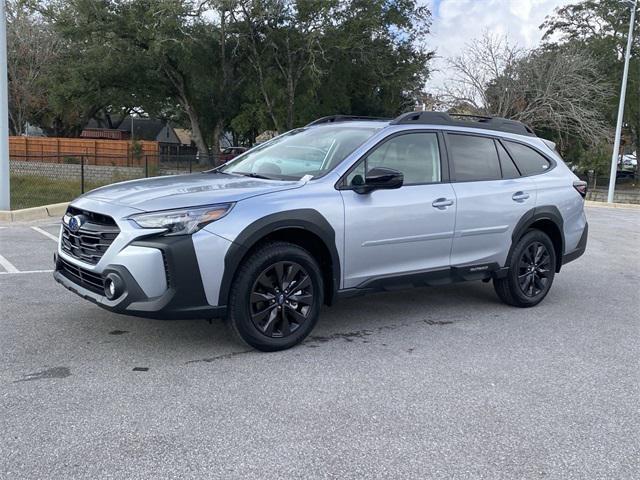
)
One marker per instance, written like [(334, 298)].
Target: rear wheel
[(276, 297), (532, 266)]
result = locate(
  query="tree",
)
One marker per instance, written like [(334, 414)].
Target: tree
[(136, 54), (557, 90), (313, 58), (599, 28), (33, 47)]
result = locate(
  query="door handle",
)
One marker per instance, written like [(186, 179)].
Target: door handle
[(520, 196), (442, 203)]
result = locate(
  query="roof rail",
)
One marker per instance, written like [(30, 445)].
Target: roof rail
[(343, 118), (480, 121)]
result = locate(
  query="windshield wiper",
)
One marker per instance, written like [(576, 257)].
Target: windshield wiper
[(254, 175)]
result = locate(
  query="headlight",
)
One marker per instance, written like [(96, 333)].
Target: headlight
[(183, 221)]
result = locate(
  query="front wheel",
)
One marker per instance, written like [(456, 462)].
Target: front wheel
[(276, 297), (532, 267)]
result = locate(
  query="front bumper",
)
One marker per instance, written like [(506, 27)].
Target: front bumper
[(181, 297)]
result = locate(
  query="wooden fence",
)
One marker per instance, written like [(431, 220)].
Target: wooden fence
[(69, 150)]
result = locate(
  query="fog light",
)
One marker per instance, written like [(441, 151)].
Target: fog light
[(113, 286)]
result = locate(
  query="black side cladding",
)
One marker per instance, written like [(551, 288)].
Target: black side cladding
[(304, 219)]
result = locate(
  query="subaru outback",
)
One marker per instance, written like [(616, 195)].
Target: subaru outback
[(344, 206)]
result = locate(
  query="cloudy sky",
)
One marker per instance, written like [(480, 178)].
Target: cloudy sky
[(456, 22)]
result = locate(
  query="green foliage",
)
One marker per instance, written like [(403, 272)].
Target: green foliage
[(600, 28), (248, 66)]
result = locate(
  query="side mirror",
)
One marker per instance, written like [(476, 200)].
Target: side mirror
[(381, 178)]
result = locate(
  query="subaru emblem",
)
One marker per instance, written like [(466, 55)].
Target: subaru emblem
[(76, 222)]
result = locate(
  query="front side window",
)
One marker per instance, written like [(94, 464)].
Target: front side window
[(528, 160), (305, 151), (416, 155), (474, 158)]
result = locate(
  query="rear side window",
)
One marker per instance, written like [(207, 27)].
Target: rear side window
[(529, 161), (509, 169), (474, 158)]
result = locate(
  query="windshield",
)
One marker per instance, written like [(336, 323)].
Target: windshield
[(305, 151)]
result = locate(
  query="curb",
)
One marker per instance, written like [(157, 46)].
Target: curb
[(34, 213), (591, 203)]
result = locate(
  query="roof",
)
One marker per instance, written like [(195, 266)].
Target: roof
[(435, 118), (184, 135), (143, 128)]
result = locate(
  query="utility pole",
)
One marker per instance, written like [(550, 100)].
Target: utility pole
[(5, 200), (623, 92)]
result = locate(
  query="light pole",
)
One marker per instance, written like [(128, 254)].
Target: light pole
[(623, 91), (4, 113)]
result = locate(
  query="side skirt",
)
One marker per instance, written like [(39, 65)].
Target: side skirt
[(430, 278)]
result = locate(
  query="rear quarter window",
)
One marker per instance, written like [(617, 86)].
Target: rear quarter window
[(529, 161)]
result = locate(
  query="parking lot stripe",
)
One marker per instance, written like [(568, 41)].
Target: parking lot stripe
[(46, 234), (22, 272), (8, 266)]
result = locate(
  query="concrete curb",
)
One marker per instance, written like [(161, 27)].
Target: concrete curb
[(34, 213), (632, 206)]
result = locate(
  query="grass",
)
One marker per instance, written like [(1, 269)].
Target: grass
[(33, 191)]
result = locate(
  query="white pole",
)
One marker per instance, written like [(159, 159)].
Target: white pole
[(623, 91), (4, 113)]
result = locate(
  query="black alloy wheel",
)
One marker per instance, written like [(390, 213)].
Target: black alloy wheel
[(534, 269), (275, 297), (281, 299)]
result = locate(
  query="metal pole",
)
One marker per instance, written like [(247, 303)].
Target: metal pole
[(623, 91), (5, 197), (82, 174)]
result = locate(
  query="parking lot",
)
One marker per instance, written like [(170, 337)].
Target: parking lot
[(429, 383)]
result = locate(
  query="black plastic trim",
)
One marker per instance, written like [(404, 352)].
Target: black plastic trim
[(304, 219), (429, 278), (185, 297), (484, 122), (545, 212), (580, 248), (345, 118)]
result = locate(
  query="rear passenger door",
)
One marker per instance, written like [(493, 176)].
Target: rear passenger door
[(492, 196)]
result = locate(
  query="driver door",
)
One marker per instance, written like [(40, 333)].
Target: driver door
[(389, 233)]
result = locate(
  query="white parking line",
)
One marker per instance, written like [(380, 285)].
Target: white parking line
[(46, 234), (8, 266), (25, 271)]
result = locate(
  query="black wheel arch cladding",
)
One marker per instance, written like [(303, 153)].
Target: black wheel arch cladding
[(545, 213), (306, 220)]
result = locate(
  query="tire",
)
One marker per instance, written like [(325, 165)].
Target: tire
[(532, 266), (264, 311)]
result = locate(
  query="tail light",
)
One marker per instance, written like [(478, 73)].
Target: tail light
[(581, 188)]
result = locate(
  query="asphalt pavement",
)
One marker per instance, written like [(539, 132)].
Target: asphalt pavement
[(430, 383)]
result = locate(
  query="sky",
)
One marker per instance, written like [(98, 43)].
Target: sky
[(456, 22)]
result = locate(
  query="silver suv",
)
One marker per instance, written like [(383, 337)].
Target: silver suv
[(341, 207)]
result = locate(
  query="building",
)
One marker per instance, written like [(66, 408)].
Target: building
[(137, 128)]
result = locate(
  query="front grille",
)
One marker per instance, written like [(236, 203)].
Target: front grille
[(80, 276), (93, 238)]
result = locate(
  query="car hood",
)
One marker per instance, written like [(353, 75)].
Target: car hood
[(179, 191)]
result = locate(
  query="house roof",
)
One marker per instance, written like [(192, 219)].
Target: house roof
[(184, 135), (143, 128)]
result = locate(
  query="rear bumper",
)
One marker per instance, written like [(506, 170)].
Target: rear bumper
[(580, 248), (183, 298)]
